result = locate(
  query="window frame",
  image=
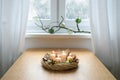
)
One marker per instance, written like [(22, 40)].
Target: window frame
[(69, 22), (56, 12)]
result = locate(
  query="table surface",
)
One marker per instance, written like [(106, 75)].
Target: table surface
[(28, 67)]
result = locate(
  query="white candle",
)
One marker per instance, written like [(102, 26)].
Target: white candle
[(63, 56), (72, 55), (53, 52), (69, 58), (58, 59), (53, 56)]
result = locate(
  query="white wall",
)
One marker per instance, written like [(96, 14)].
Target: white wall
[(58, 43)]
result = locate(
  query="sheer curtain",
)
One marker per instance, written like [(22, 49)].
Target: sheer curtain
[(104, 24), (13, 17)]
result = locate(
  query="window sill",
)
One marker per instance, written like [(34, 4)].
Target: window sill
[(58, 35)]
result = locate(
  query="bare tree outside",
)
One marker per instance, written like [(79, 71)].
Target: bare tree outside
[(75, 8), (41, 8)]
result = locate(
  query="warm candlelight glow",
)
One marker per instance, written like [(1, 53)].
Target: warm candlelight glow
[(53, 56), (69, 58), (63, 56), (72, 55), (58, 59), (53, 52)]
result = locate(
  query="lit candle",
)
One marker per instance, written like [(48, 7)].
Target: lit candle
[(69, 58), (53, 56), (72, 55), (63, 56), (58, 59), (53, 52)]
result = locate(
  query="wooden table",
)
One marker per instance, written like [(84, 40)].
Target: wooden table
[(28, 67)]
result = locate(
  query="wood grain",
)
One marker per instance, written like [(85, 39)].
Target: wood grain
[(28, 67)]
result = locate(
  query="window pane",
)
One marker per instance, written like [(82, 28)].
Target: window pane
[(75, 8), (41, 8)]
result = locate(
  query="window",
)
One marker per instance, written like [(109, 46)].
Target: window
[(41, 7), (52, 10), (75, 8)]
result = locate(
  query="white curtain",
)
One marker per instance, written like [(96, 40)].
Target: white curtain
[(104, 24), (13, 18)]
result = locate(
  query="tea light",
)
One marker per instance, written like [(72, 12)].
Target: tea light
[(63, 56), (58, 59), (69, 58)]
